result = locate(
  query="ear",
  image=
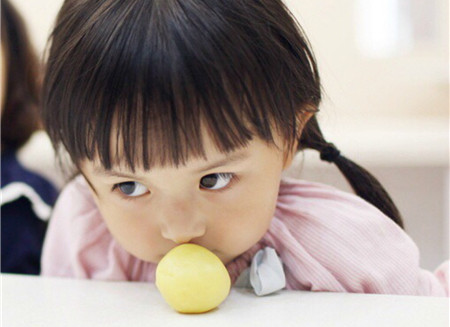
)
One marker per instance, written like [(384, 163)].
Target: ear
[(302, 119)]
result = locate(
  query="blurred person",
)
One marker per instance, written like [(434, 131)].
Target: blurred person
[(27, 197)]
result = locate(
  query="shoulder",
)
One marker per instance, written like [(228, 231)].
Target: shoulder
[(326, 203), (19, 183), (38, 156), (79, 244), (14, 171), (308, 207), (76, 212), (76, 203), (77, 194), (75, 226), (340, 241)]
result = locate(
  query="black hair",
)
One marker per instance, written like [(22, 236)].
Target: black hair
[(148, 74), (20, 116)]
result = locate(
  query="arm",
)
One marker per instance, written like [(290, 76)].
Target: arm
[(335, 241), (78, 243), (62, 241)]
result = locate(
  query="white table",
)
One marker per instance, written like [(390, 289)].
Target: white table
[(37, 301)]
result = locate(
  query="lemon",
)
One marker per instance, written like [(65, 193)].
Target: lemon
[(192, 279)]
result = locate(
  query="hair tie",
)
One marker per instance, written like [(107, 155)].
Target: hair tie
[(329, 153)]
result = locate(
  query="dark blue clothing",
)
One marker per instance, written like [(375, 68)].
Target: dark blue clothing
[(22, 230)]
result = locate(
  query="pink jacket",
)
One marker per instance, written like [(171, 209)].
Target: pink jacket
[(328, 240)]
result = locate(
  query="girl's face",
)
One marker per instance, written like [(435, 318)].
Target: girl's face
[(224, 203)]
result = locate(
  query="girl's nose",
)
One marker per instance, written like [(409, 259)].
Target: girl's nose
[(183, 235), (181, 223)]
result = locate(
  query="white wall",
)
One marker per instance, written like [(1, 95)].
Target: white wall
[(415, 82), (39, 17)]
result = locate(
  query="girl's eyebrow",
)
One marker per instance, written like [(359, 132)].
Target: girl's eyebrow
[(237, 156), (113, 173)]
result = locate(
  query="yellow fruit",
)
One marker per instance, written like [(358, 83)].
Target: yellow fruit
[(192, 279)]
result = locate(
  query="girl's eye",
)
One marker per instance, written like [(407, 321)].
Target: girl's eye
[(216, 181), (131, 188)]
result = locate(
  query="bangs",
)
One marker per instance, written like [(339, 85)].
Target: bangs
[(136, 82)]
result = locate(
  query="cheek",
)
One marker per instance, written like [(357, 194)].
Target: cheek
[(243, 218), (133, 228)]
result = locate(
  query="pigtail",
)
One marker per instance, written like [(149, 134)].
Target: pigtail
[(363, 183)]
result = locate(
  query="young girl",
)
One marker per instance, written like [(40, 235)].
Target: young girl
[(180, 117)]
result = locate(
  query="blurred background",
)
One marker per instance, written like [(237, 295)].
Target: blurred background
[(385, 73)]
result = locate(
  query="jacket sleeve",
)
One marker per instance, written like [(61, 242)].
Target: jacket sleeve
[(335, 241), (78, 243)]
